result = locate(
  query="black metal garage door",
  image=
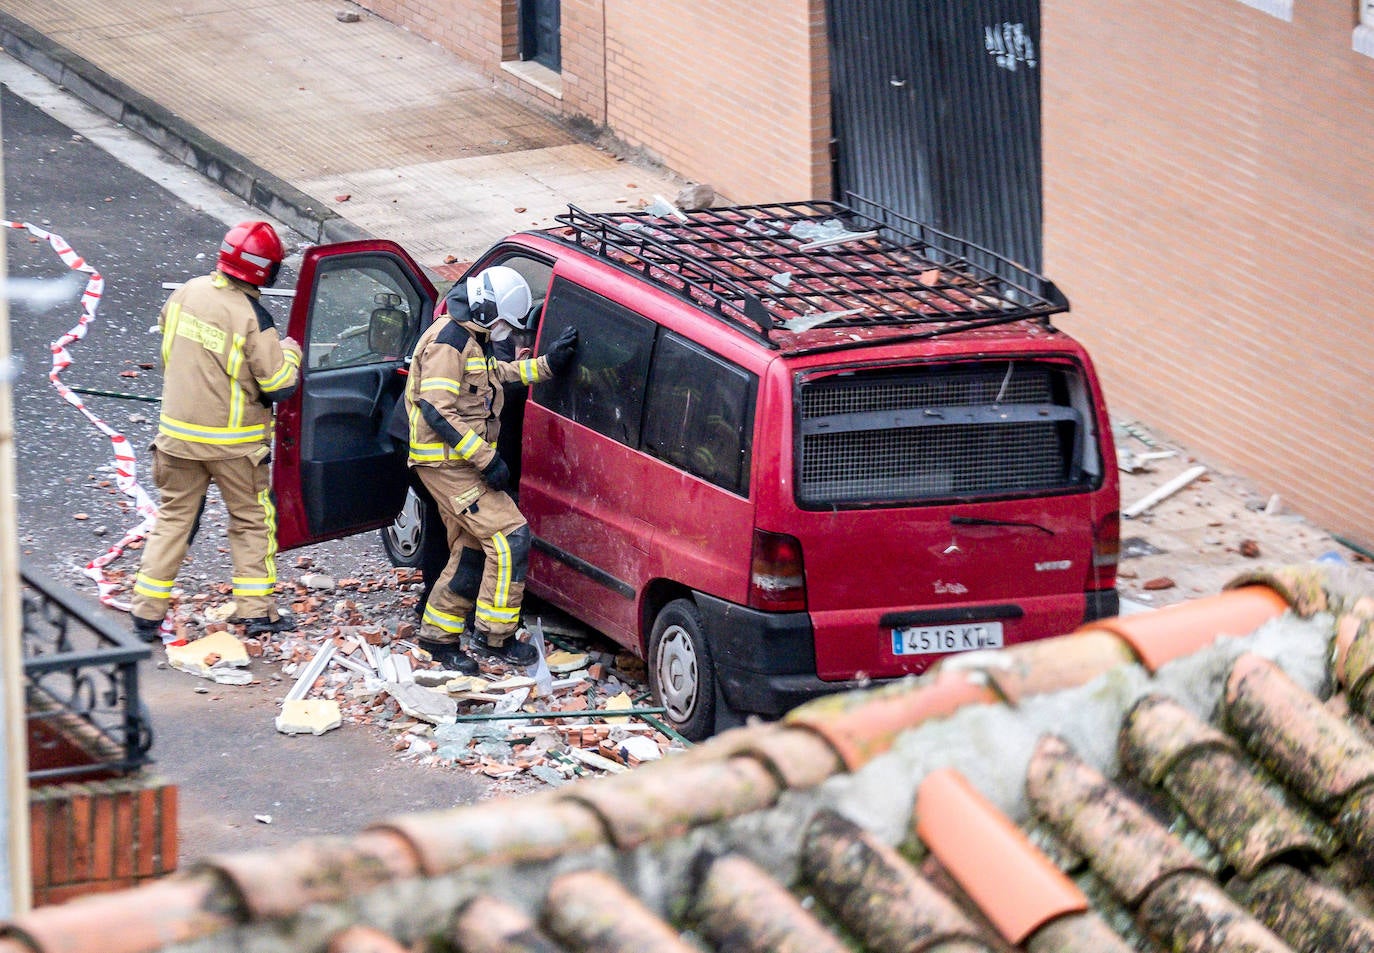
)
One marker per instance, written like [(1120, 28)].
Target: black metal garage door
[(937, 114)]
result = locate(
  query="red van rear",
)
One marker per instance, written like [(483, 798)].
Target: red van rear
[(801, 447)]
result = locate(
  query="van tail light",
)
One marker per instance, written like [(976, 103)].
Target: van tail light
[(777, 582), (1106, 552)]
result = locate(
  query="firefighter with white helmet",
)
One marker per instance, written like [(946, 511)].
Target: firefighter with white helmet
[(224, 368), (453, 402)]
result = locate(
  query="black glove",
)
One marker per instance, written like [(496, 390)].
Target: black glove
[(561, 353), (496, 474)]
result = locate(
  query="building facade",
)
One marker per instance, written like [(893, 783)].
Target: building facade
[(1203, 166)]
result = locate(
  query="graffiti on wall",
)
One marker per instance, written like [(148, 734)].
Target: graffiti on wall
[(1012, 46)]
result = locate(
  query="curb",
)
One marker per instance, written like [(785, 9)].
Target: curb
[(178, 139)]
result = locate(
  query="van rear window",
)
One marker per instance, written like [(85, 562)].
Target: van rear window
[(925, 434)]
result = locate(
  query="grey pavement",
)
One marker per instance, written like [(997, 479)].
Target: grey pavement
[(337, 129)]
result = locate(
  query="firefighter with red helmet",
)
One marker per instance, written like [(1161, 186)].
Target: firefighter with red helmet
[(224, 368), (453, 402)]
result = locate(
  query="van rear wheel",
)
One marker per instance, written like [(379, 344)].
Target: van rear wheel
[(682, 676)]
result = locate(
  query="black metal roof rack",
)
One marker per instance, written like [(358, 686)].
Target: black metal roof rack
[(776, 271)]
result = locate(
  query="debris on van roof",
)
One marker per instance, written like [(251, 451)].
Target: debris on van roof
[(769, 270)]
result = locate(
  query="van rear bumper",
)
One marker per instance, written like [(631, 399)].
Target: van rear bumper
[(765, 661)]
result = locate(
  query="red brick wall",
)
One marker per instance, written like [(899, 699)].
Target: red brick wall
[(712, 89), (1208, 187), (724, 94), (100, 836)]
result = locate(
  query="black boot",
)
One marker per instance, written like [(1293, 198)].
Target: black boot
[(512, 651), (261, 625), (149, 630), (450, 655)]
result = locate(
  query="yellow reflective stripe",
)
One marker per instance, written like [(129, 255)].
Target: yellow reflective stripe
[(283, 376), (443, 620), (469, 445), (497, 610), (475, 364), (428, 452), (269, 520), (169, 330), (196, 433), (153, 588), (529, 371), (254, 587), (441, 383), (489, 613), (236, 392)]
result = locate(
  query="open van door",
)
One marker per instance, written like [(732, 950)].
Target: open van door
[(358, 310)]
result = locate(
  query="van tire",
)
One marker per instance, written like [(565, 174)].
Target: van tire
[(682, 676), (404, 539)]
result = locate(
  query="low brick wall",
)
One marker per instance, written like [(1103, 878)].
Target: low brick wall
[(95, 836)]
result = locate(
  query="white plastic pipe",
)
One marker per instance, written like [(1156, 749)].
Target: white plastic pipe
[(1163, 492)]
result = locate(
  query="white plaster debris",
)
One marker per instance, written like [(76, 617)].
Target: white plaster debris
[(219, 656), (309, 716), (426, 704)]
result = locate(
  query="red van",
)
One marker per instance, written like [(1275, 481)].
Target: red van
[(802, 447)]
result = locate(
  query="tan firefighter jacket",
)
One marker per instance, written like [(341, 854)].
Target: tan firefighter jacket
[(223, 368), (455, 375)]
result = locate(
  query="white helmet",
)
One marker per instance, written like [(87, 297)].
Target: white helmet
[(499, 293)]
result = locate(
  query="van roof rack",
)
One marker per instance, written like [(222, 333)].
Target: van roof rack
[(776, 271)]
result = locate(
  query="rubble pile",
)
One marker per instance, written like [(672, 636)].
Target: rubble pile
[(584, 709)]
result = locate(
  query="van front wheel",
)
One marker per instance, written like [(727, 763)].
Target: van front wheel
[(682, 676)]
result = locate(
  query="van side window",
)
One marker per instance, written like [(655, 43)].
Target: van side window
[(698, 413), (604, 387), (363, 311)]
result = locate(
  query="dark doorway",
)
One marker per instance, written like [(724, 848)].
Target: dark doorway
[(539, 23), (937, 114)]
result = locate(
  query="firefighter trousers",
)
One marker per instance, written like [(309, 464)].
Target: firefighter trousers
[(245, 487), (489, 551)]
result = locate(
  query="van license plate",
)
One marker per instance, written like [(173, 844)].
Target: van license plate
[(959, 637)]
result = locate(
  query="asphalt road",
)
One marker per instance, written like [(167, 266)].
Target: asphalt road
[(138, 227)]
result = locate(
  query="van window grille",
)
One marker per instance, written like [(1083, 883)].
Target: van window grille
[(936, 434)]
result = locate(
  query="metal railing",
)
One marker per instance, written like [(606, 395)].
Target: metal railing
[(84, 713)]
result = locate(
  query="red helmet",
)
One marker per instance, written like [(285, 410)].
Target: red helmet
[(251, 252)]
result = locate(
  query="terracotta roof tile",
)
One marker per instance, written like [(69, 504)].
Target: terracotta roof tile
[(536, 827), (1201, 796), (492, 925), (1126, 847), (971, 839), (322, 870), (740, 907), (876, 892), (592, 911), (1165, 634), (1206, 774), (667, 798)]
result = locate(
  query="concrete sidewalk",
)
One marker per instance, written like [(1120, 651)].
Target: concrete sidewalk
[(338, 129)]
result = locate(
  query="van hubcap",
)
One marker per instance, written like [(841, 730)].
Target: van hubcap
[(677, 673)]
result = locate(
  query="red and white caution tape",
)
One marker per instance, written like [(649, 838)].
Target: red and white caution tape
[(125, 465)]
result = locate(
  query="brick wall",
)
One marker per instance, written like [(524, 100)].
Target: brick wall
[(100, 835), (1208, 186), (710, 88), (724, 94)]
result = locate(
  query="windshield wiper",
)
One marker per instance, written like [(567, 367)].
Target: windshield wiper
[(981, 521)]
